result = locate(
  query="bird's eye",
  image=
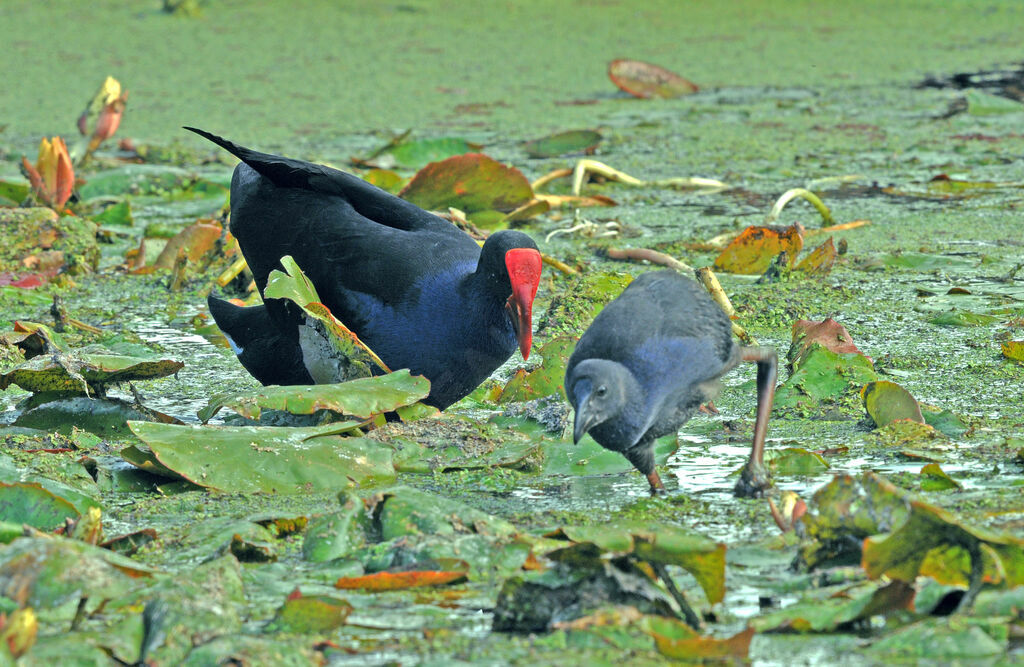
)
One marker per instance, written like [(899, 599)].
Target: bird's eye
[(602, 390)]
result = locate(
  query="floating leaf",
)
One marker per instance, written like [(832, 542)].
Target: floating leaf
[(267, 459), (828, 333), (980, 103), (12, 194), (334, 535), (886, 402), (935, 479), (48, 373), (824, 375), (924, 261), (570, 141), (545, 379), (935, 542), (795, 461), (589, 458), (421, 152), (858, 603), (28, 503), (678, 640), (359, 398), (432, 573), (352, 358), (472, 182), (310, 614), (641, 79), (49, 571), (385, 179), (821, 260), (962, 318), (949, 640), (409, 511), (119, 214), (754, 249), (1014, 349), (944, 421), (195, 241)]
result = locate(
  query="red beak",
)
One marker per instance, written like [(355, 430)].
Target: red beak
[(524, 266)]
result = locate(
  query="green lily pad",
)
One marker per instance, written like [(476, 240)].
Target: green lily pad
[(410, 511), (589, 458), (359, 398), (934, 478), (795, 461), (267, 459), (937, 543), (963, 318), (641, 79), (46, 572), (676, 639), (310, 615), (944, 421), (12, 194), (859, 603), (921, 261), (335, 534), (824, 376), (1013, 349), (938, 640), (146, 179), (385, 179), (980, 103), (562, 143), (351, 357), (421, 152), (472, 182), (47, 373), (544, 380), (28, 503), (118, 214), (886, 402)]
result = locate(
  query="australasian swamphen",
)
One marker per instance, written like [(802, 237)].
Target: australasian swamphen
[(417, 290), (649, 360)]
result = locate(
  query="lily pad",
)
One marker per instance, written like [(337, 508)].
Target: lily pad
[(335, 534), (310, 614), (421, 152), (28, 503), (562, 143), (47, 572), (824, 376), (938, 640), (195, 241), (58, 372), (1014, 349), (886, 402), (857, 603), (268, 459), (589, 458), (820, 260), (924, 261), (472, 182), (678, 640), (828, 333), (963, 318), (795, 461), (641, 79), (118, 214), (980, 103), (754, 249), (934, 478), (359, 398), (410, 511)]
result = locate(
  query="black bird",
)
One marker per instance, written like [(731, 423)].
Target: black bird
[(418, 291), (647, 363)]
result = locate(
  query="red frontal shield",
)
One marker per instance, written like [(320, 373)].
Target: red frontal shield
[(524, 267)]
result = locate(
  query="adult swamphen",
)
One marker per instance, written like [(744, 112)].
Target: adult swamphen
[(417, 290), (649, 360)]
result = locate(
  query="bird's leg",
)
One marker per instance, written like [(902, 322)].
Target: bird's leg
[(655, 481), (755, 479)]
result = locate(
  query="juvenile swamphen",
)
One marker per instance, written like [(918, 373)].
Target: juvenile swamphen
[(418, 291), (649, 360)]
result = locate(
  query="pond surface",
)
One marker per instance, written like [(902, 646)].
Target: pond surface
[(791, 93)]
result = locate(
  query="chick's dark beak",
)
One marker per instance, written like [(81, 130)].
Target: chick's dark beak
[(584, 421)]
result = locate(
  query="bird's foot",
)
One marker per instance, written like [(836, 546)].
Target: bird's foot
[(754, 481), (657, 488)]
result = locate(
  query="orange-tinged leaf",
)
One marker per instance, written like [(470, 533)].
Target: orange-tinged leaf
[(754, 249), (828, 333), (1014, 349), (821, 260), (471, 182), (453, 570), (196, 240), (641, 79)]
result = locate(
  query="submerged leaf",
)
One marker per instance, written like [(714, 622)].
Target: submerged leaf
[(570, 141), (310, 615)]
